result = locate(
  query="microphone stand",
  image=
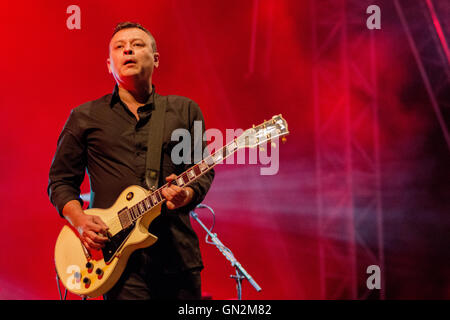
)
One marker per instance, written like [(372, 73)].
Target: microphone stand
[(240, 271)]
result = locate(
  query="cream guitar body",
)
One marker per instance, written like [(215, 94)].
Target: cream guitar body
[(92, 273)]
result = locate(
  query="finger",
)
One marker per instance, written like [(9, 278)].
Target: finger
[(86, 245), (182, 194), (179, 198), (92, 244), (93, 226), (95, 238), (170, 205), (104, 226), (165, 194), (171, 177), (100, 222), (169, 193), (176, 192), (175, 188), (100, 238)]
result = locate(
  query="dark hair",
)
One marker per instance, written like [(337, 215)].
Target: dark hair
[(129, 25)]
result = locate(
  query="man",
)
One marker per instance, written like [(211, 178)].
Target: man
[(109, 138)]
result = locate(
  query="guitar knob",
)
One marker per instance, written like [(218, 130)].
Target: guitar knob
[(89, 266), (86, 282), (283, 139), (99, 273)]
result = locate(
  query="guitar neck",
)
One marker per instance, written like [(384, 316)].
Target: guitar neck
[(276, 127), (183, 180)]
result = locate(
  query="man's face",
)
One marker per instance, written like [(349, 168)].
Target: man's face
[(131, 55)]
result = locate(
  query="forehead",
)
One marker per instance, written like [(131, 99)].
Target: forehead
[(130, 33)]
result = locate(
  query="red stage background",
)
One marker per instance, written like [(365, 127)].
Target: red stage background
[(243, 62)]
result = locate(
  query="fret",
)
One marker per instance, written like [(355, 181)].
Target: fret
[(135, 211), (131, 214), (191, 174), (152, 203), (226, 152), (203, 166), (197, 170), (144, 202), (141, 206), (158, 196), (154, 200), (185, 178), (147, 203), (180, 182), (217, 157), (209, 161), (231, 148)]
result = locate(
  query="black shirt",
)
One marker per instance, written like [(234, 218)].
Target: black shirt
[(105, 138)]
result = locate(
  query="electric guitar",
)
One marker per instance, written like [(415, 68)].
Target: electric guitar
[(91, 273)]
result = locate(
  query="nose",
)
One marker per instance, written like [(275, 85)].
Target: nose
[(128, 49)]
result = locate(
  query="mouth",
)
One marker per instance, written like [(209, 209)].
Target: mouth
[(129, 61)]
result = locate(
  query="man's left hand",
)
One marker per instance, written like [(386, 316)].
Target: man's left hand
[(176, 197)]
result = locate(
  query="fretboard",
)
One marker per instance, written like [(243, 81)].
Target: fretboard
[(127, 217)]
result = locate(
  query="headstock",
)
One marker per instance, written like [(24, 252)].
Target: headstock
[(266, 131)]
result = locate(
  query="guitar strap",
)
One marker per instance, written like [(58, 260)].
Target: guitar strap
[(154, 146)]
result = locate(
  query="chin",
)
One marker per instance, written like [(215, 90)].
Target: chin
[(129, 73)]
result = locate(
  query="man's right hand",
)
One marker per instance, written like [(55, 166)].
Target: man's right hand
[(92, 229)]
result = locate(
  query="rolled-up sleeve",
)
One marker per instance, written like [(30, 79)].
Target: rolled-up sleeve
[(68, 167)]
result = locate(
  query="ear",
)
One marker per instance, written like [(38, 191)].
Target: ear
[(156, 59), (108, 64)]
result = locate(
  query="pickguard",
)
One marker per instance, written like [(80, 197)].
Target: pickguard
[(115, 243)]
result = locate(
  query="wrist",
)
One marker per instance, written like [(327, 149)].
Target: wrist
[(189, 194), (72, 211)]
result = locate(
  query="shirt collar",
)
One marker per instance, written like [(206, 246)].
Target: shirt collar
[(116, 98)]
